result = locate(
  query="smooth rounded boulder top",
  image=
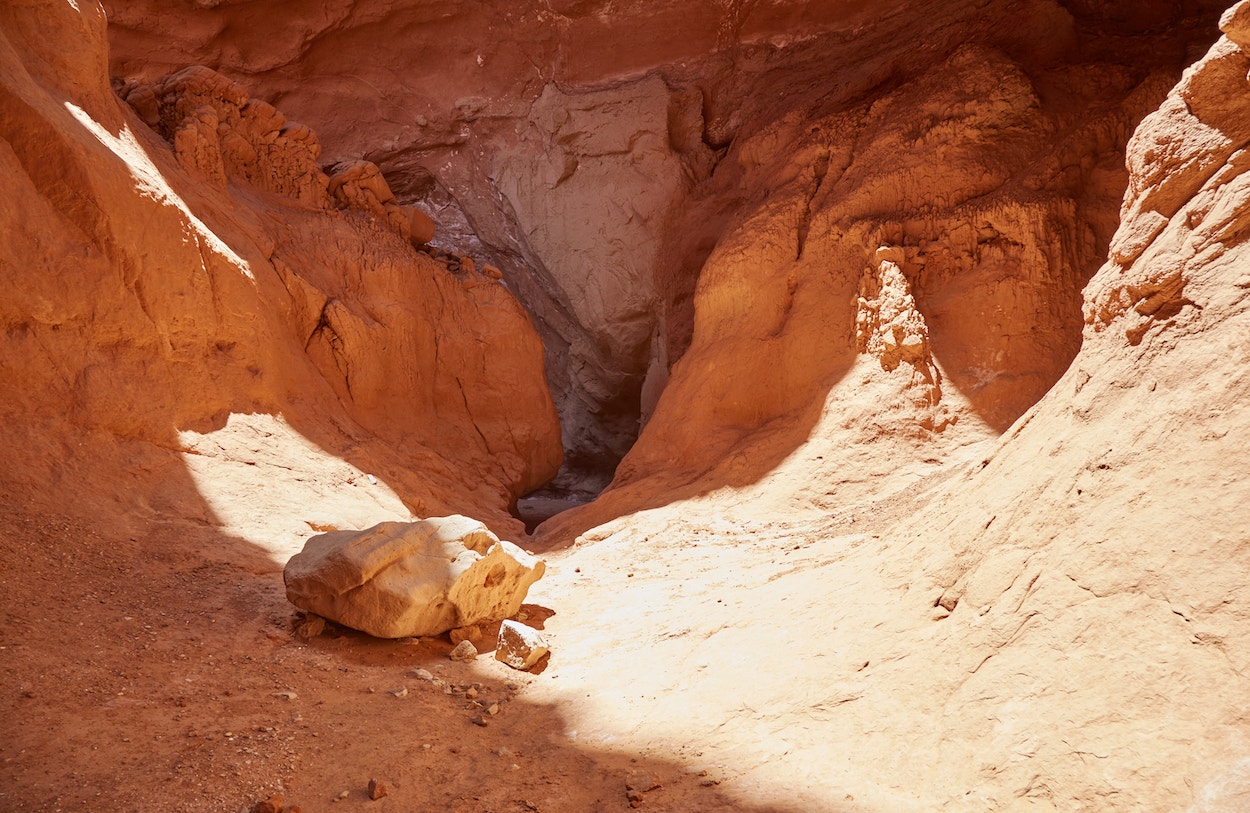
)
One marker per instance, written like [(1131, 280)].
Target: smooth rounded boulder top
[(401, 579)]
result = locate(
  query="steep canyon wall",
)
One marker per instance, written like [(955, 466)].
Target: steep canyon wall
[(184, 300), (1051, 619), (599, 155)]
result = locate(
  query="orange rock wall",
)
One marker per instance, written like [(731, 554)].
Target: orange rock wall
[(1107, 530), (159, 286), (901, 275), (601, 154), (1053, 619)]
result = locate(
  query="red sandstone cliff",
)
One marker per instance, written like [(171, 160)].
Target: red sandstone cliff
[(600, 154), (163, 292)]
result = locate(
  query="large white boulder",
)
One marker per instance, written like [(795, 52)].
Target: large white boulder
[(400, 579)]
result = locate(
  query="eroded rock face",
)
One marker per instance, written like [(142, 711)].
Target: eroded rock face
[(1063, 612), (903, 275), (1120, 496), (601, 179), (1186, 159), (217, 130), (1059, 616), (164, 280), (589, 181), (397, 579)]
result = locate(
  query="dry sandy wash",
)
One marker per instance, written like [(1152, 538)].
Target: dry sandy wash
[(905, 344)]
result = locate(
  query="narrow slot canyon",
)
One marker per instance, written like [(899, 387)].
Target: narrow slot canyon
[(846, 397)]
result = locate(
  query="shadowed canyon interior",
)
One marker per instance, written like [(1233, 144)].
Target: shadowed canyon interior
[(872, 374), (618, 177)]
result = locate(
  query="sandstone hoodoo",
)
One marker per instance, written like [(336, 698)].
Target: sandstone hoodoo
[(398, 579)]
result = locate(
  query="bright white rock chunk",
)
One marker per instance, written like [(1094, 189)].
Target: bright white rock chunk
[(519, 646)]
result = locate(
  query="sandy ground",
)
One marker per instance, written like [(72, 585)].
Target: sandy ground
[(161, 672), (149, 662)]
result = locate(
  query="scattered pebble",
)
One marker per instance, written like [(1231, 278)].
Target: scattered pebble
[(423, 674), (312, 626), (479, 720), (464, 651), (376, 789), (287, 695), (402, 691), (271, 805)]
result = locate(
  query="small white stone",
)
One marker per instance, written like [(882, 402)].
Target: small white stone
[(519, 646)]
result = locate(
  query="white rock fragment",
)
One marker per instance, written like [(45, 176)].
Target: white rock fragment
[(519, 646)]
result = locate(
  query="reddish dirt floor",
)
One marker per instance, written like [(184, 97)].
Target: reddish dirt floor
[(162, 671)]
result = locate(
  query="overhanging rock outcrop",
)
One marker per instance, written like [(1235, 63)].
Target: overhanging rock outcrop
[(401, 579)]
